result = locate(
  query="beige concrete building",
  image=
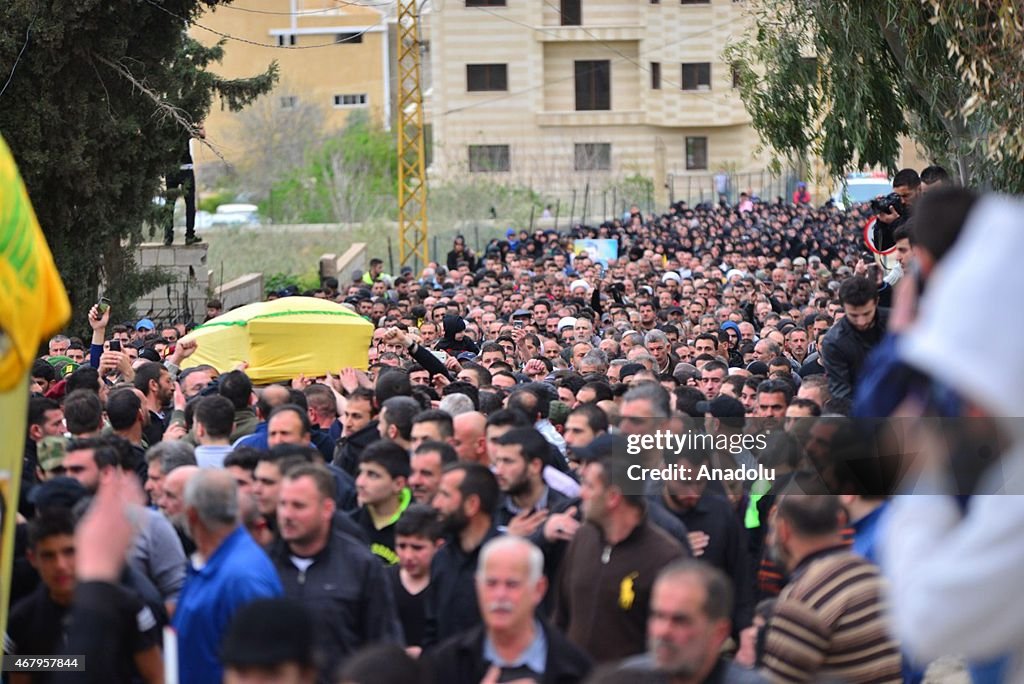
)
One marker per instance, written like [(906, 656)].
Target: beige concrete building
[(559, 93), (333, 55)]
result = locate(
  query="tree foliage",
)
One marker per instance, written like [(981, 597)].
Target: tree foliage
[(350, 176), (99, 106), (844, 79)]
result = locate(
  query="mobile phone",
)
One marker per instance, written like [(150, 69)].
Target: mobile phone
[(517, 324), (115, 345), (103, 306)]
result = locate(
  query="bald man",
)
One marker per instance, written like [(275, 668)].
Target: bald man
[(469, 441)]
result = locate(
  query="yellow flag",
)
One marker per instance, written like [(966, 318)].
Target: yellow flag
[(33, 305)]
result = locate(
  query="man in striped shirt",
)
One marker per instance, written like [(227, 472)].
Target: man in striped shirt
[(830, 620)]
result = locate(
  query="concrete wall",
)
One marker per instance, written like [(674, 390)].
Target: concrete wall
[(341, 267), (185, 297), (240, 291)]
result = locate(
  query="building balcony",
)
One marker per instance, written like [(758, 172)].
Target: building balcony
[(588, 34)]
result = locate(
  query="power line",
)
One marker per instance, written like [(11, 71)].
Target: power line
[(556, 81), (352, 37), (339, 3), (28, 33)]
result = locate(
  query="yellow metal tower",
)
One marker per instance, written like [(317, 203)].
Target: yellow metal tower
[(412, 178)]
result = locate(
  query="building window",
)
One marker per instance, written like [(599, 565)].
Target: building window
[(485, 3), (655, 75), (655, 2), (488, 158), (289, 102), (593, 85), (350, 100), (593, 156), (286, 40), (696, 154), (735, 77), (480, 77), (694, 2), (572, 13), (351, 38), (697, 76)]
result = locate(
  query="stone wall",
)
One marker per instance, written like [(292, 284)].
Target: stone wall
[(341, 267), (184, 298), (240, 291)]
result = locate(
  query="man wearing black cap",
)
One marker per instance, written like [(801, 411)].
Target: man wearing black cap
[(269, 640)]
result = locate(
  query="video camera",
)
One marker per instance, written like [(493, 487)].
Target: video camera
[(892, 201)]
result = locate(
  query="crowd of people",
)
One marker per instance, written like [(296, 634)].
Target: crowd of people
[(457, 512)]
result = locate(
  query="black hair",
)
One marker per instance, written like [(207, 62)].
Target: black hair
[(146, 373), (52, 523), (392, 382), (42, 369), (401, 411), (531, 443), (217, 416), (84, 378), (442, 418), (419, 520), (597, 419), (123, 408), (83, 412), (307, 427), (391, 456), (479, 481), (906, 178), (237, 387), (509, 417), (243, 457), (934, 174), (857, 291), (444, 449)]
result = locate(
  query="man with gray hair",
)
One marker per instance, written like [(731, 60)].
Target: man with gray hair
[(232, 571), (161, 459), (510, 585), (657, 345), (595, 361)]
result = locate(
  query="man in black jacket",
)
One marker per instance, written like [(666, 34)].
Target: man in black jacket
[(465, 501), (359, 429), (511, 584), (337, 579), (518, 459), (850, 340)]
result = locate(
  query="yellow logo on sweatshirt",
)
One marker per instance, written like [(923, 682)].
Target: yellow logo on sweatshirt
[(627, 591)]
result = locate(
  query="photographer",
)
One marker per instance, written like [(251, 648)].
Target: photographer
[(893, 210)]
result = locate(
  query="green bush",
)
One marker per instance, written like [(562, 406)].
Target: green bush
[(211, 202)]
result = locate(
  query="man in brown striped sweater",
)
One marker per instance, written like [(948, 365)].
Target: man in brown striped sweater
[(830, 620)]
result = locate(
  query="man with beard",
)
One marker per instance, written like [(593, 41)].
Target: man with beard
[(154, 381), (715, 534), (336, 578), (849, 342), (604, 582), (833, 605), (157, 552), (517, 461), (689, 622), (466, 497)]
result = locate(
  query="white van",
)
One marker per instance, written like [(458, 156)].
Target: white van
[(857, 188)]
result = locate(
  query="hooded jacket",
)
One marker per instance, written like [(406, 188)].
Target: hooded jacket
[(453, 325), (933, 547)]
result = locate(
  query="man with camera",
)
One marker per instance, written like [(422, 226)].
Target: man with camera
[(893, 210)]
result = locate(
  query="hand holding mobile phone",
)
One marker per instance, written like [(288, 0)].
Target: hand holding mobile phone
[(103, 306), (115, 345)]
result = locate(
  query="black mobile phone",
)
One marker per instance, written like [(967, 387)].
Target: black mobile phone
[(103, 306), (115, 345)]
